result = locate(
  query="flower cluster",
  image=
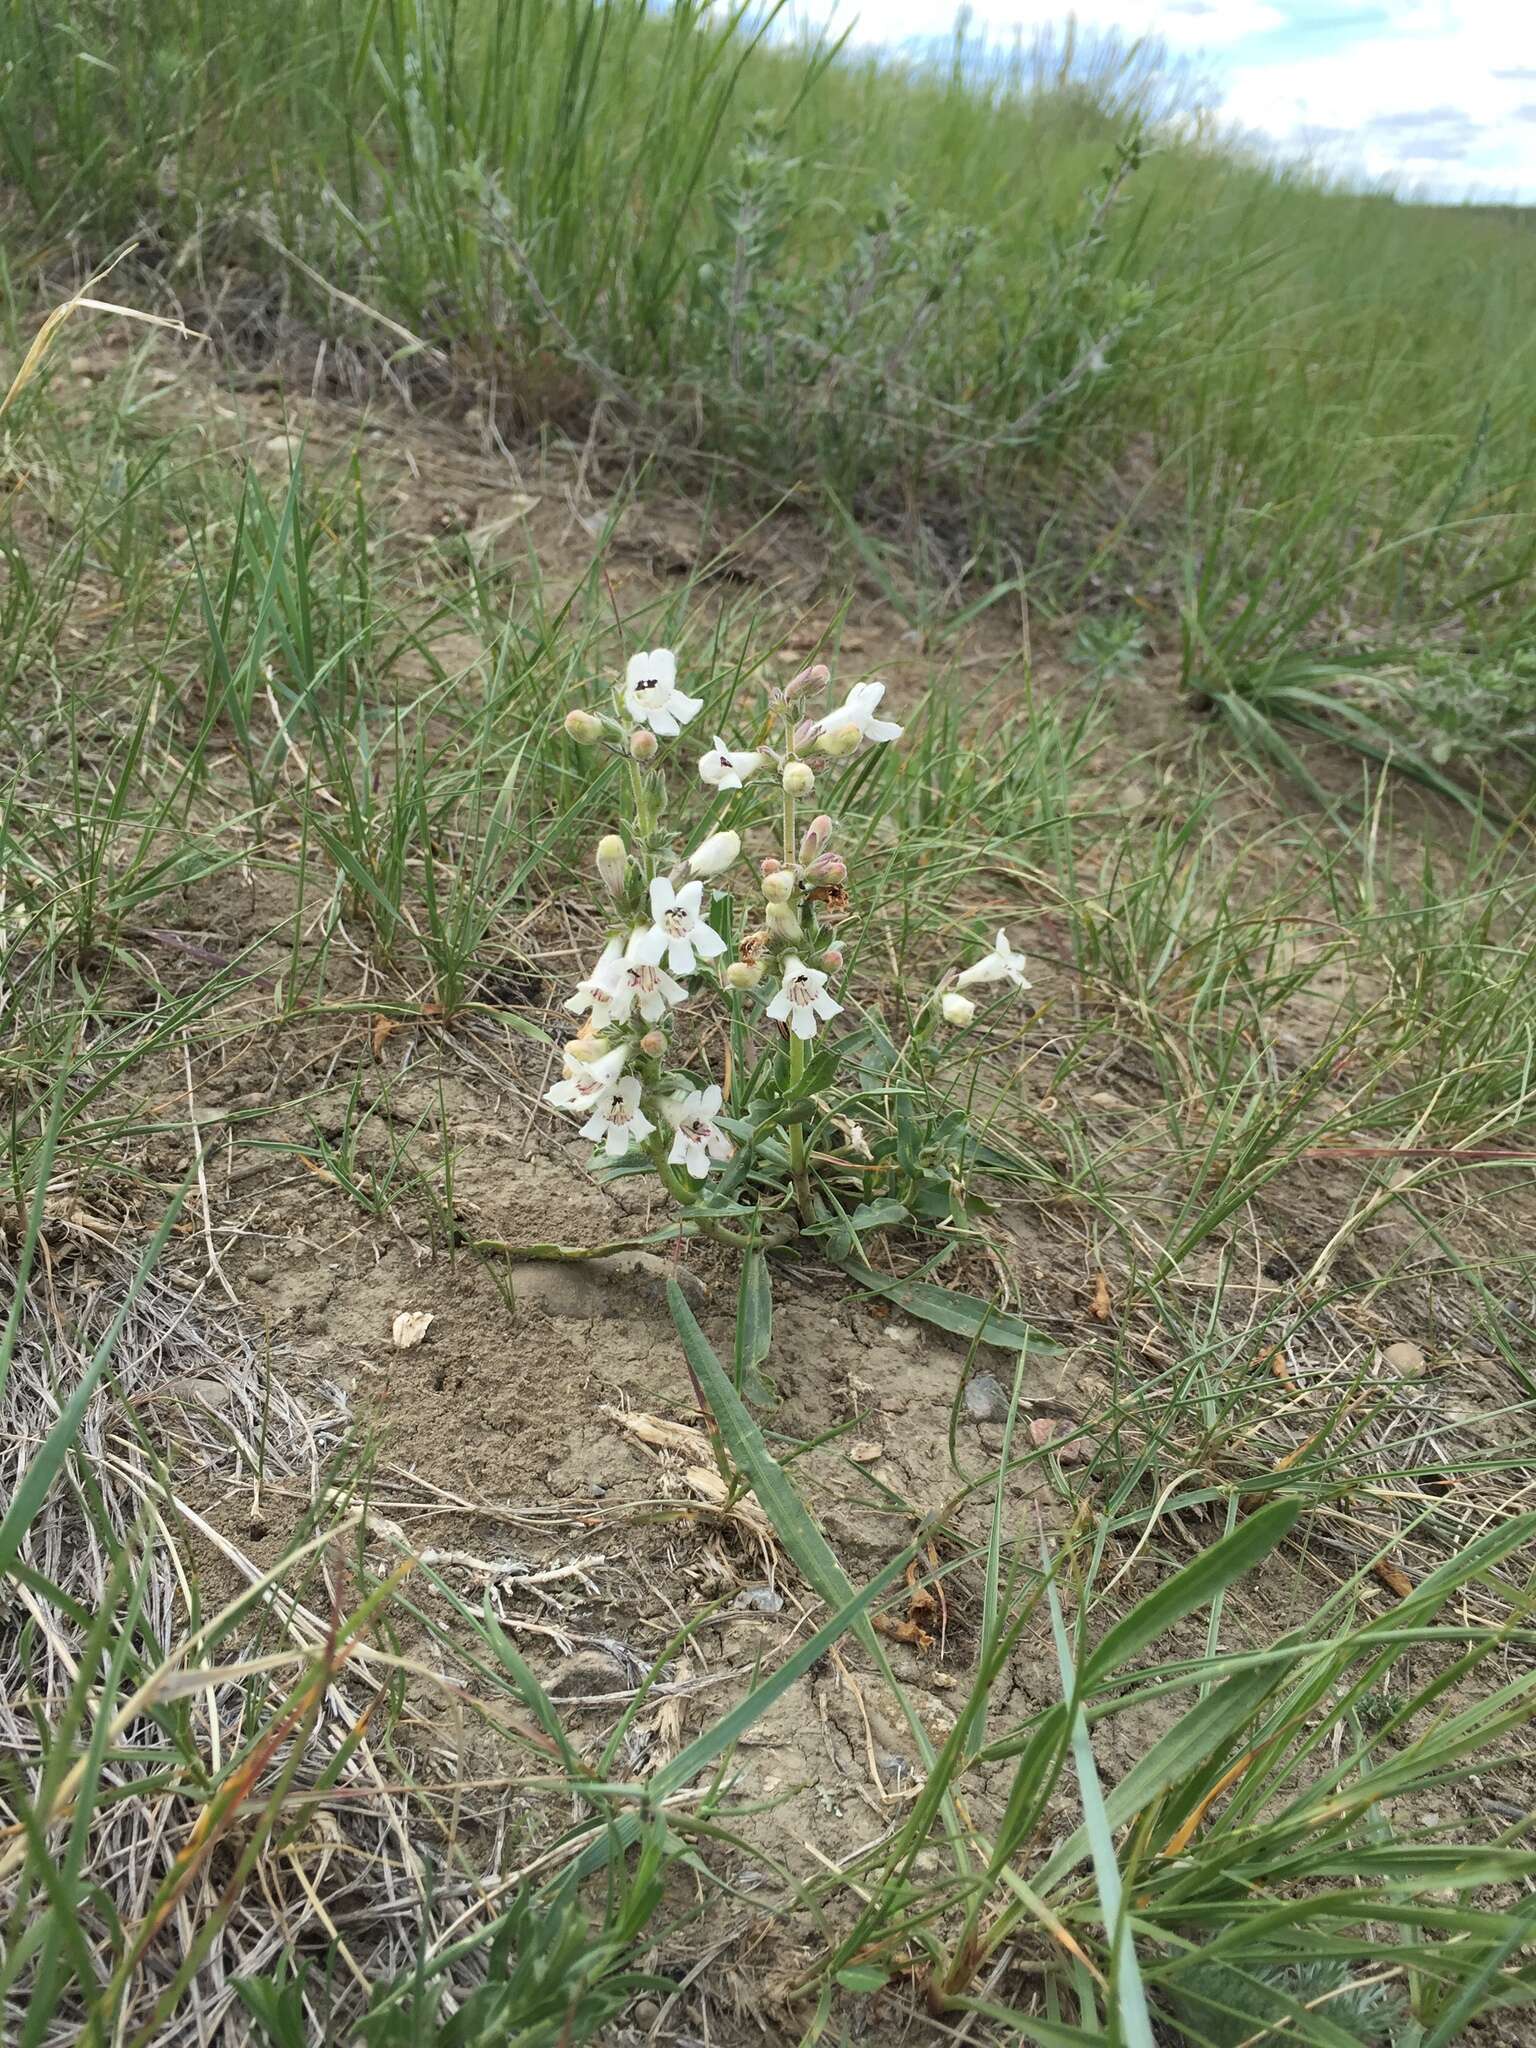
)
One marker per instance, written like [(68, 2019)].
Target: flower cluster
[(666, 942)]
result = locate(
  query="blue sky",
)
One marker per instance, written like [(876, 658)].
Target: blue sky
[(1434, 95)]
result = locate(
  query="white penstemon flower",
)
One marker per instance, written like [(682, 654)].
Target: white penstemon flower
[(1001, 964), (618, 1120), (586, 1081), (698, 1137), (722, 768), (802, 999), (597, 992), (855, 719), (644, 986), (651, 695), (679, 930)]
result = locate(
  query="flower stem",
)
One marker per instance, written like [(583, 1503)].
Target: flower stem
[(798, 1171)]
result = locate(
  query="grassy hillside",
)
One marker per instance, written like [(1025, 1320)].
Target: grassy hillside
[(1015, 314), (1036, 1543)]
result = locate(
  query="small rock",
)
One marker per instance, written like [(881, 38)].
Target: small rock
[(410, 1327), (199, 1392), (588, 1673), (645, 2012), (758, 1600), (259, 1274), (1063, 1436), (866, 1453), (1405, 1359), (985, 1400)]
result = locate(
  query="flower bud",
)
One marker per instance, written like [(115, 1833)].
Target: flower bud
[(587, 1048), (805, 732), (808, 679), (842, 739), (797, 779), (769, 864), (830, 868), (643, 744), (744, 974), (612, 863), (779, 886), (782, 920), (817, 833), (653, 1045), (715, 855), (584, 727), (832, 959), (958, 1010)]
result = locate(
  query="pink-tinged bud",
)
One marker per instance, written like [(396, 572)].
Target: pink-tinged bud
[(805, 732), (653, 1045), (808, 679), (830, 868), (584, 727), (769, 865), (643, 744), (779, 886), (832, 959), (817, 833)]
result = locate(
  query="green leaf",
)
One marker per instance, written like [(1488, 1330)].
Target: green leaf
[(863, 1977), (754, 1329), (880, 1215), (964, 1315), (1182, 1749), (1192, 1587)]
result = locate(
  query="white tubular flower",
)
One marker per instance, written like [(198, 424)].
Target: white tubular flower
[(958, 1010), (717, 853), (803, 999), (651, 695), (643, 986), (723, 769), (680, 931), (1001, 964), (618, 1119), (586, 1081), (857, 715), (597, 992), (699, 1137)]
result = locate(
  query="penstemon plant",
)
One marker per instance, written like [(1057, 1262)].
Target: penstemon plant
[(673, 940)]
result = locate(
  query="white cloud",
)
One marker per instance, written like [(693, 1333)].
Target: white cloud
[(1183, 24), (1433, 97)]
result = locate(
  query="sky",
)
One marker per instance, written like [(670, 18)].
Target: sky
[(1434, 96)]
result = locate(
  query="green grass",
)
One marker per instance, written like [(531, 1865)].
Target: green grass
[(1236, 1747), (1288, 422)]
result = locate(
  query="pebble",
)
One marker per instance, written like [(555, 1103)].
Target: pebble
[(645, 2012), (985, 1400), (758, 1600), (259, 1274), (1405, 1359)]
